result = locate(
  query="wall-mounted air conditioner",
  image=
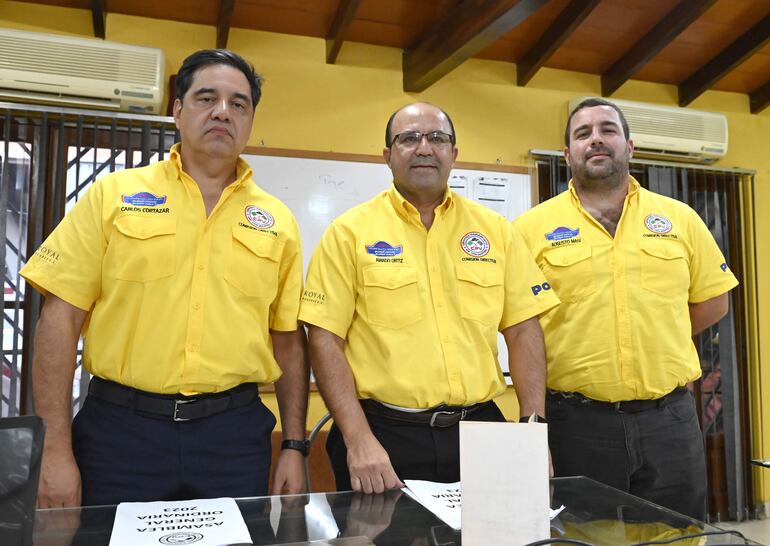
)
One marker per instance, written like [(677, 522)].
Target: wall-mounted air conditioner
[(88, 73), (667, 132)]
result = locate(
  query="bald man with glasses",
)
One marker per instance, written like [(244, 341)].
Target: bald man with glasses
[(405, 295)]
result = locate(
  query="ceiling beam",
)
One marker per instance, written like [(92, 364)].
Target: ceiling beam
[(223, 22), (99, 16), (741, 49), (339, 29), (663, 33), (561, 29), (759, 99), (463, 32)]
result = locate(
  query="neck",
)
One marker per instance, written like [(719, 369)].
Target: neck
[(425, 203), (603, 201), (209, 172)]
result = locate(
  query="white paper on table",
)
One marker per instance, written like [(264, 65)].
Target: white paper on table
[(206, 522), (504, 478), (444, 500)]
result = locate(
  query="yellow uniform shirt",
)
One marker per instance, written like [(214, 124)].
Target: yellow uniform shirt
[(177, 301), (419, 309), (623, 329)]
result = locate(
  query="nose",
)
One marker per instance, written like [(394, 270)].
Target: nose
[(423, 148), (221, 110)]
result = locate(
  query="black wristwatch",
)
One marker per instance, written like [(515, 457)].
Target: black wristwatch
[(535, 419), (303, 446)]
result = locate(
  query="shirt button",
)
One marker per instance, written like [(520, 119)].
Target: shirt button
[(193, 348), (445, 339), (196, 306), (201, 267)]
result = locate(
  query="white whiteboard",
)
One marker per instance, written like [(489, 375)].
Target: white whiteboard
[(319, 190)]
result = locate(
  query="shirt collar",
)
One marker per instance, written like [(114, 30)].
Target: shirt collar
[(243, 171)]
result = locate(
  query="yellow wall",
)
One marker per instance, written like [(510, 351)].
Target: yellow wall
[(310, 105)]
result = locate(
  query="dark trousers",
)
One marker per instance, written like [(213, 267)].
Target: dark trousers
[(124, 456), (656, 454), (416, 451)]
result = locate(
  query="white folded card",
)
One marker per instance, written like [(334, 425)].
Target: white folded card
[(504, 482), (207, 522)]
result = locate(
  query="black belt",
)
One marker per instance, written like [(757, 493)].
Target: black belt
[(441, 416), (176, 407), (625, 406)]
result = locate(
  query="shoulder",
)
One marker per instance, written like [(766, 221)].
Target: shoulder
[(550, 209)]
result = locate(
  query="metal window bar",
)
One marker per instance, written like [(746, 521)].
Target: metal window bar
[(722, 392), (50, 156)]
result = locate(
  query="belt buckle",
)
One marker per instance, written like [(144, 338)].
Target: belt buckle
[(178, 403), (436, 414)]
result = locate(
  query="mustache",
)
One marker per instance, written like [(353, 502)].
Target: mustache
[(424, 163), (599, 151)]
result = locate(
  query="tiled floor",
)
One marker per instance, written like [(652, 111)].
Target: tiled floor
[(756, 530)]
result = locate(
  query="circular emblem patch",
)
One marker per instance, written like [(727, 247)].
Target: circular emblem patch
[(475, 244), (657, 223), (259, 218), (180, 538)]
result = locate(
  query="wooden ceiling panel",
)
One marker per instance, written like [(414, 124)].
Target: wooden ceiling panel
[(202, 12), (76, 4), (528, 32), (504, 50), (384, 34), (286, 19), (396, 23), (740, 82)]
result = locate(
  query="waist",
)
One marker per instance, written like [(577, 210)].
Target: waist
[(175, 407), (624, 406), (440, 416)]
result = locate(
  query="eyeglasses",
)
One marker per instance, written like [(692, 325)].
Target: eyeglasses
[(412, 139)]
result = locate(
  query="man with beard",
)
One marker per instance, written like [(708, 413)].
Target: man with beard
[(405, 295), (638, 274)]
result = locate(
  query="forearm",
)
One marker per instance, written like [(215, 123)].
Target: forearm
[(336, 383), (53, 370), (527, 365), (292, 388)]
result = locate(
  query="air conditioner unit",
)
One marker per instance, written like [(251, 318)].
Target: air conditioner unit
[(47, 68), (672, 133)]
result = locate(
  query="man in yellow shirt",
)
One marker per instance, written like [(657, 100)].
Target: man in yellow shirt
[(184, 277), (638, 274), (405, 295)]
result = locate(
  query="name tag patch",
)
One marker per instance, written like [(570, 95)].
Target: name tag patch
[(144, 199), (383, 249)]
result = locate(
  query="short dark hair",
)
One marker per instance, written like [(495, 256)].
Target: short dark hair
[(388, 127), (590, 103), (207, 57)]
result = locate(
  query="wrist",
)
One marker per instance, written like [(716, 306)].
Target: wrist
[(534, 418), (303, 446)]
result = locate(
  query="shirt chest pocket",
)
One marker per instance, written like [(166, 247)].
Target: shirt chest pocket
[(570, 272), (391, 296), (481, 292), (664, 268), (142, 248), (253, 263)]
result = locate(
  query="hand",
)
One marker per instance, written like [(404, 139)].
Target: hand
[(289, 477), (370, 468), (59, 480), (370, 515)]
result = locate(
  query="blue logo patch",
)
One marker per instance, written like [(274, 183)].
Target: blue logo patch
[(144, 199), (723, 267), (561, 233), (382, 249)]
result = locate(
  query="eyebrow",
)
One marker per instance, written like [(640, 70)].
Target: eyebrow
[(205, 90), (603, 124)]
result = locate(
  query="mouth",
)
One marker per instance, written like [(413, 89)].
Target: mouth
[(598, 154), (218, 130)]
